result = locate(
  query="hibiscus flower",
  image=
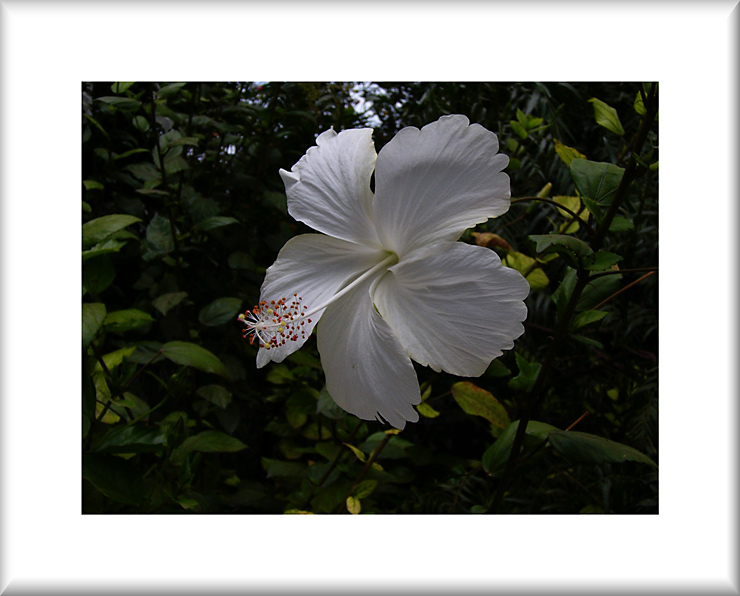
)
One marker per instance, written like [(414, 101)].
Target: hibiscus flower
[(387, 281)]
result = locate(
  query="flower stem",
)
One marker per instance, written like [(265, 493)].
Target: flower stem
[(575, 217)]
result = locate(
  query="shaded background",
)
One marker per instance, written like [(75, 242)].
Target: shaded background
[(176, 417)]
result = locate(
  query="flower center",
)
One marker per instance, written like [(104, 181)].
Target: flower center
[(276, 322)]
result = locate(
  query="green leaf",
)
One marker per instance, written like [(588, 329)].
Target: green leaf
[(303, 400), (479, 402), (220, 311), (302, 358), (587, 341), (597, 290), (497, 369), (98, 274), (143, 171), (216, 394), (607, 116), (295, 418), (116, 478), (120, 87), (122, 103), (597, 181), (211, 441), (153, 192), (211, 223), (189, 354), (395, 448), (353, 505), (241, 260), (120, 321), (574, 250), (159, 235), (519, 129), (140, 123), (364, 489), (93, 315), (279, 374), (639, 105), (581, 447), (326, 406), (208, 441), (522, 118), (92, 185), (103, 248), (130, 153), (174, 164), (193, 141), (587, 317), (328, 450), (170, 89), (166, 302), (495, 457), (567, 154), (278, 200), (114, 359), (101, 228), (594, 208), (131, 439), (576, 246), (283, 469), (561, 296), (621, 224), (528, 267), (528, 373), (603, 260)]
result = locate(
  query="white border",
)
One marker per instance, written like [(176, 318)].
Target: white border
[(48, 48)]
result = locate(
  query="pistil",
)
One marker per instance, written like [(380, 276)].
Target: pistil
[(276, 322)]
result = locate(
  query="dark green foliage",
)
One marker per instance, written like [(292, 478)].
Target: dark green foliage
[(183, 210)]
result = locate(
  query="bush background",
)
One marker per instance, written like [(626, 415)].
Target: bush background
[(177, 419)]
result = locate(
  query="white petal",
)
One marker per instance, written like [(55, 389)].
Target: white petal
[(329, 187), (454, 307), (314, 267), (368, 373), (432, 184)]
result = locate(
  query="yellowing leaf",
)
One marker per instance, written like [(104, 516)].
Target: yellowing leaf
[(427, 411), (567, 154), (353, 505), (359, 454), (572, 203), (606, 116), (479, 402), (529, 268), (113, 359)]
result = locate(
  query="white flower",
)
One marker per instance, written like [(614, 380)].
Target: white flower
[(387, 281)]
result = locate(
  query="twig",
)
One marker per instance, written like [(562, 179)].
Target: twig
[(624, 289)]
